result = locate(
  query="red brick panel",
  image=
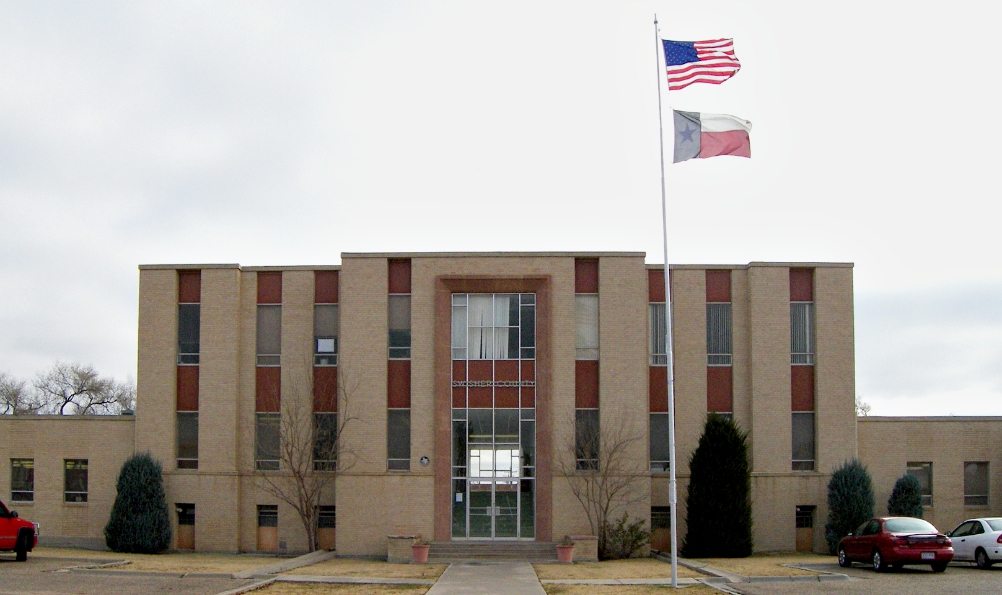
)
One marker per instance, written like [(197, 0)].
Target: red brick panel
[(802, 388), (801, 285), (528, 396), (269, 287), (506, 369), (585, 275), (189, 287), (656, 284), (481, 369), (459, 369), (658, 387), (459, 397), (400, 275), (325, 287), (398, 384), (718, 286), (325, 389), (528, 369), (187, 388), (586, 384), (506, 397), (481, 397), (719, 390), (268, 389)]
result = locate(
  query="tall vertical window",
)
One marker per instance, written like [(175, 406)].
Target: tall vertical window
[(398, 381), (187, 439), (658, 332), (189, 321), (325, 382), (586, 323), (923, 473), (586, 366), (22, 480), (269, 335), (325, 334), (976, 484), (659, 443), (268, 436), (719, 375), (803, 441), (718, 334), (586, 439), (268, 375), (324, 441), (801, 332), (657, 373), (75, 480)]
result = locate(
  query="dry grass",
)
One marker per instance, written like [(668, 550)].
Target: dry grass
[(768, 564), (371, 568), (314, 588), (174, 562), (611, 569), (622, 589)]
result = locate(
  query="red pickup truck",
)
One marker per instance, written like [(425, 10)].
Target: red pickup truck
[(16, 534)]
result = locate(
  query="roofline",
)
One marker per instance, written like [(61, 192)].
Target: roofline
[(914, 418)]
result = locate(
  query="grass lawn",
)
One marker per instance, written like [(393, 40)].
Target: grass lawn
[(308, 589), (622, 590), (611, 569), (371, 568), (174, 562), (768, 564)]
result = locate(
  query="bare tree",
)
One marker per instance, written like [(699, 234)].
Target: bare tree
[(76, 389), (862, 407), (311, 451), (604, 473), (15, 397)]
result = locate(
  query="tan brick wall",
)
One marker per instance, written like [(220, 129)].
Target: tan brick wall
[(769, 310), (741, 345), (105, 441), (156, 377), (835, 377), (689, 349), (888, 444)]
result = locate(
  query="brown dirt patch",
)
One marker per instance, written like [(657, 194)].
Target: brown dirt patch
[(611, 569), (622, 589), (768, 564), (174, 562), (370, 568)]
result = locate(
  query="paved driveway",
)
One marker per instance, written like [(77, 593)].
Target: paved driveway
[(44, 576), (959, 579)]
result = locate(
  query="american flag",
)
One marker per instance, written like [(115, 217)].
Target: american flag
[(712, 61)]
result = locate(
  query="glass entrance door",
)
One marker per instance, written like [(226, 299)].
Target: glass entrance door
[(493, 492)]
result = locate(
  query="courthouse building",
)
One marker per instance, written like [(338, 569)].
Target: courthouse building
[(472, 388)]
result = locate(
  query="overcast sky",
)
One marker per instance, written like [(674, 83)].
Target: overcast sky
[(286, 133)]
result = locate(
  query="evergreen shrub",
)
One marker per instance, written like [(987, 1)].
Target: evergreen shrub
[(850, 501), (906, 498), (140, 520), (719, 515)]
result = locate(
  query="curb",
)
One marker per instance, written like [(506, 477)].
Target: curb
[(352, 580), (248, 588), (153, 573), (659, 582)]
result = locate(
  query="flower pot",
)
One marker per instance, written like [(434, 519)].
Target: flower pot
[(565, 554), (419, 553)]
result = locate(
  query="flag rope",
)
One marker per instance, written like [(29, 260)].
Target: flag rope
[(670, 373)]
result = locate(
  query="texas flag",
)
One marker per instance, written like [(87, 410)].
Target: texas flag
[(708, 135)]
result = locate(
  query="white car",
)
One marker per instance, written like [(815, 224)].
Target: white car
[(978, 541)]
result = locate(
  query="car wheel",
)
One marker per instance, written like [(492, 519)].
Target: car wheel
[(879, 564), (843, 559), (982, 559), (20, 553), (938, 566)]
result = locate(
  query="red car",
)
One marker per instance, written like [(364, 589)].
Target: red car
[(16, 535), (896, 541)]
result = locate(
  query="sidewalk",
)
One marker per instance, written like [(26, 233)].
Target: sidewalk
[(472, 578)]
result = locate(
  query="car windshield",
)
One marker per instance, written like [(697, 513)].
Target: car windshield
[(995, 524), (909, 526)]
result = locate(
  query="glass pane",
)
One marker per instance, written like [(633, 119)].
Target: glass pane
[(324, 441), (481, 426), (399, 433), (269, 330), (459, 327), (325, 320), (976, 480), (506, 509), (658, 332), (502, 310), (528, 443), (528, 329), (459, 508), (481, 508), (586, 326), (399, 312), (188, 323), (481, 343), (803, 436), (801, 328), (659, 442), (268, 436), (527, 508), (506, 426), (718, 329), (459, 443), (586, 438), (187, 434)]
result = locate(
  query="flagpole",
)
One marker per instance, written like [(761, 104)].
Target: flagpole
[(672, 488)]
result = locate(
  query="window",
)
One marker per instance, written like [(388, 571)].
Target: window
[(75, 480), (269, 335), (658, 332), (801, 332), (923, 473), (188, 326), (718, 334), (398, 438), (185, 515), (187, 440), (267, 515), (586, 438), (495, 327), (267, 441), (325, 334), (660, 517), (324, 441), (805, 517), (586, 331), (659, 443), (803, 441), (976, 484), (22, 480), (327, 518), (400, 326)]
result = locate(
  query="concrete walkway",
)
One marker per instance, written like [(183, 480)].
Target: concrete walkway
[(488, 578)]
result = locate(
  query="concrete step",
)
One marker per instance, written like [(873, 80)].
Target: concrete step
[(532, 551)]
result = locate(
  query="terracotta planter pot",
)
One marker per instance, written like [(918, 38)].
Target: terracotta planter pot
[(565, 554), (419, 554)]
